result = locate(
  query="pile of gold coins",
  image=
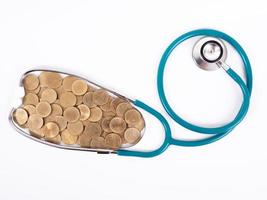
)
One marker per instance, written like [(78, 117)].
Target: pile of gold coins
[(68, 110)]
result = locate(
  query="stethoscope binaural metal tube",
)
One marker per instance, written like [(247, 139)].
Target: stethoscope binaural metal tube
[(218, 132)]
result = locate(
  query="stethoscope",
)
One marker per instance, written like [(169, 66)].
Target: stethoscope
[(209, 53)]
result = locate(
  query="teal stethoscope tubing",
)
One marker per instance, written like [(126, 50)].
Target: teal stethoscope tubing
[(218, 132)]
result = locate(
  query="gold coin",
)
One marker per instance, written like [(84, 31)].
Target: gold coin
[(107, 107), (122, 108), (92, 130), (60, 90), (35, 122), (49, 95), (50, 130), (56, 109), (79, 100), (71, 114), (68, 81), (30, 109), (55, 140), (84, 112), (30, 99), (88, 99), (105, 125), (115, 102), (43, 109), (84, 140), (109, 114), (67, 99), (37, 133), (117, 125), (50, 118), (100, 97), (86, 122), (95, 115), (61, 122), (50, 79), (139, 125), (75, 128), (21, 116), (41, 91), (98, 143), (113, 141), (123, 141), (132, 135), (132, 116), (35, 91), (68, 138), (104, 134), (30, 82), (79, 87)]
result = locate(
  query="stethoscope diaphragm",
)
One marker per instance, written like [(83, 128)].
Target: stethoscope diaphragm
[(208, 52)]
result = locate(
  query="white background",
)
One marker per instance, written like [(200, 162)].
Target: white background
[(119, 44)]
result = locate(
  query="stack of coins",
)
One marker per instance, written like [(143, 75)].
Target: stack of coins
[(68, 110)]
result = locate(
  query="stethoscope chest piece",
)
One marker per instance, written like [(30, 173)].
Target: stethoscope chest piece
[(208, 52)]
